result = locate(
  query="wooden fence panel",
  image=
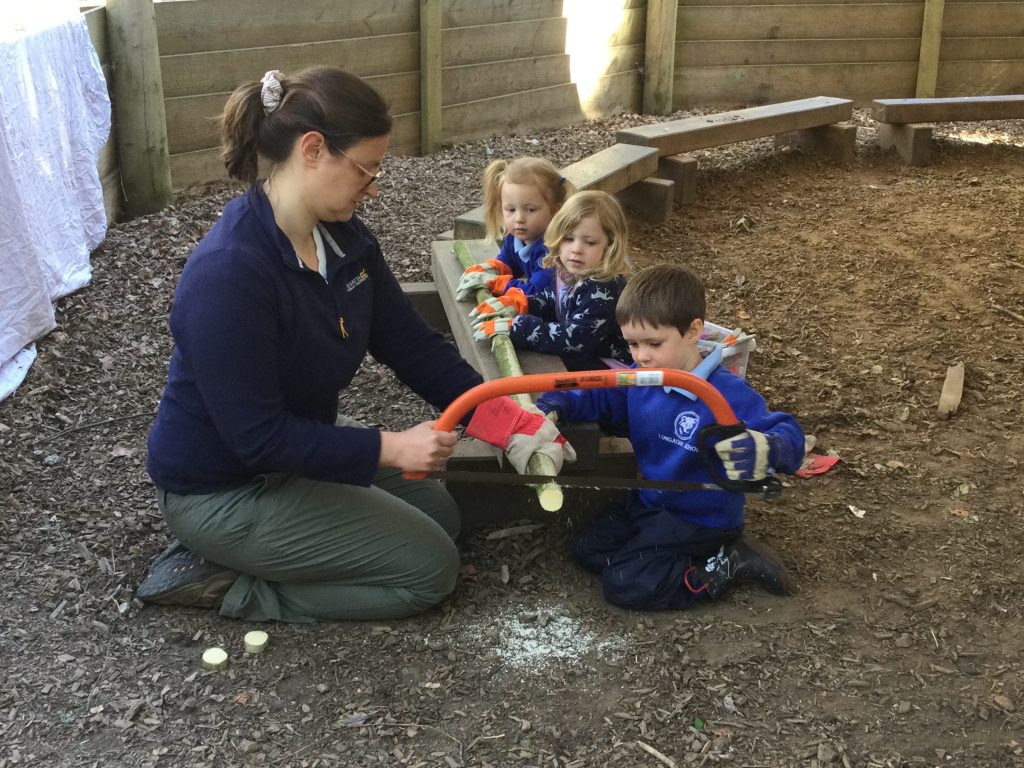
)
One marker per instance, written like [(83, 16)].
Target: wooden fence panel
[(472, 82), (697, 53), (459, 13), (615, 92), (732, 52), (728, 86), (205, 165), (506, 66), (794, 22), (96, 23), (546, 107), (539, 109), (792, 2), (223, 71), (198, 26), (502, 42), (982, 52), (632, 28), (106, 165), (982, 49), (980, 78), (980, 19), (625, 58), (192, 121), (496, 55)]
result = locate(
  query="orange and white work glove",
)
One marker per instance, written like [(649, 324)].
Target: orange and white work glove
[(485, 329), (520, 432), (482, 276), (512, 303)]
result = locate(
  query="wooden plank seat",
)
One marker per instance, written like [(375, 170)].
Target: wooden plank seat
[(905, 124), (587, 439), (614, 169), (809, 124), (818, 115), (447, 271)]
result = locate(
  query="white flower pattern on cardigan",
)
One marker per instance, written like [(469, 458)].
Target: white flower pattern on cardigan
[(583, 325)]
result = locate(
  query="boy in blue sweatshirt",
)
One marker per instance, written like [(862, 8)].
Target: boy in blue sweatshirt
[(667, 549)]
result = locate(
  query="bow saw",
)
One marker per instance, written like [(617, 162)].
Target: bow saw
[(726, 426)]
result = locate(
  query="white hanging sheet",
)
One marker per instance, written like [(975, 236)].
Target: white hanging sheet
[(54, 119)]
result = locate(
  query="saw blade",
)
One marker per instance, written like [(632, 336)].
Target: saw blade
[(572, 481)]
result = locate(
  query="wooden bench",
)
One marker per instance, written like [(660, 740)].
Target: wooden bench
[(447, 271), (620, 168), (810, 124), (813, 123), (587, 439), (906, 123)]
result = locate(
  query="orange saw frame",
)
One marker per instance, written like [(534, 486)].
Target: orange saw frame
[(726, 424)]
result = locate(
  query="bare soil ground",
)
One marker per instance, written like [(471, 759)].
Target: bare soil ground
[(903, 646)]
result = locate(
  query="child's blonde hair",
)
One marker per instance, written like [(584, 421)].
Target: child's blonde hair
[(523, 170), (609, 215)]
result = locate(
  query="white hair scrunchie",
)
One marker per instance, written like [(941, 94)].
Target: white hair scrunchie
[(272, 90)]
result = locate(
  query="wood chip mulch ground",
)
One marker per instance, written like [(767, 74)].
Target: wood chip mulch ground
[(903, 646)]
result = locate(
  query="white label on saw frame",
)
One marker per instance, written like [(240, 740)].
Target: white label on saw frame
[(640, 379)]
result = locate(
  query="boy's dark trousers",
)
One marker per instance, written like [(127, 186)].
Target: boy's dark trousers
[(643, 553)]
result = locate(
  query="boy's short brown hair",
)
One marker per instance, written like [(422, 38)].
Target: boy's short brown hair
[(662, 295)]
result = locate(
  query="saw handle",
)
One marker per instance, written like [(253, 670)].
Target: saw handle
[(707, 438), (603, 379)]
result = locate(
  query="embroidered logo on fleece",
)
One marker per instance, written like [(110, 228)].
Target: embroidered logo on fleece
[(356, 281), (686, 424)]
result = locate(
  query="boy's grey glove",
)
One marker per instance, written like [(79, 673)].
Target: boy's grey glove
[(747, 456)]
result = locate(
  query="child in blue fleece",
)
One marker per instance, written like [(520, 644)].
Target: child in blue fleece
[(520, 198), (667, 549), (574, 317)]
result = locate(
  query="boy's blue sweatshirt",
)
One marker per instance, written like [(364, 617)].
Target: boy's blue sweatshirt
[(663, 426), (263, 347), (529, 276)]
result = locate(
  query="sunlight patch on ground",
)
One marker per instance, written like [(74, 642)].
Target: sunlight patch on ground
[(983, 136), (534, 636)]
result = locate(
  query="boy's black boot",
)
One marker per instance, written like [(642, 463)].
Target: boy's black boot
[(744, 561)]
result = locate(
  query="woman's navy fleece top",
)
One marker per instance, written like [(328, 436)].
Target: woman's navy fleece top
[(263, 347)]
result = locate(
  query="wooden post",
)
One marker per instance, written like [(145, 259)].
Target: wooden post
[(931, 42), (138, 98), (660, 56), (430, 76)]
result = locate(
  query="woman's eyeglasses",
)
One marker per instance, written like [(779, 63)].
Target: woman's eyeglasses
[(374, 177)]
